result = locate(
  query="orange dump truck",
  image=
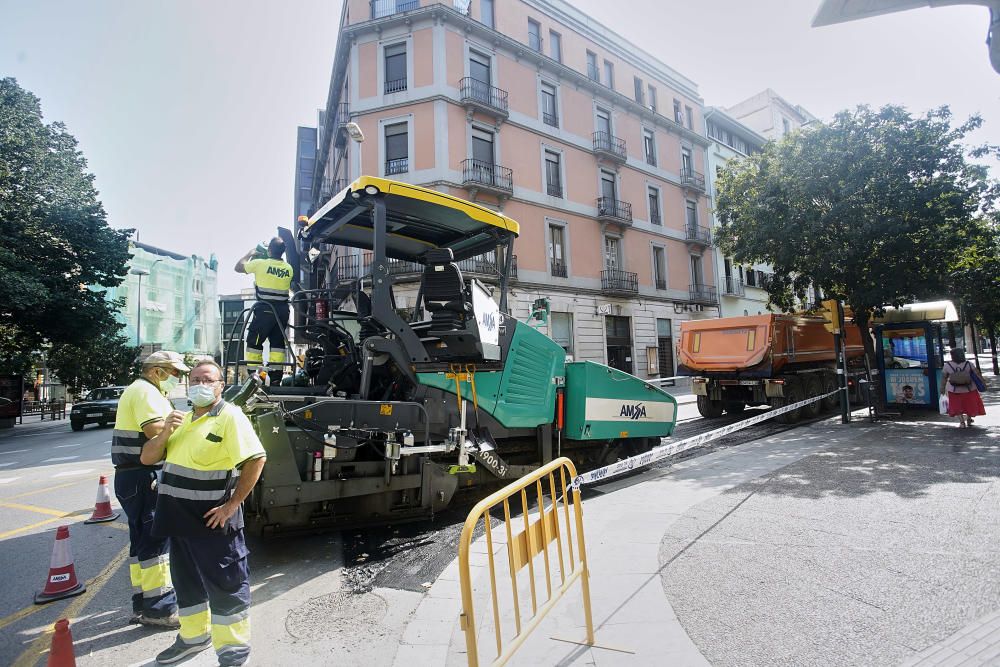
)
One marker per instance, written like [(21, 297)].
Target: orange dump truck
[(763, 360)]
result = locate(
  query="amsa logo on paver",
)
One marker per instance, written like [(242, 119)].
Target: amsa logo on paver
[(617, 410)]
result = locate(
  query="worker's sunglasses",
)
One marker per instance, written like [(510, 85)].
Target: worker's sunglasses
[(203, 381)]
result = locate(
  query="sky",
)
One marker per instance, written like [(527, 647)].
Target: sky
[(187, 110)]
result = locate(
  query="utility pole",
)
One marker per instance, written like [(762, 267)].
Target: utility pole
[(840, 339)]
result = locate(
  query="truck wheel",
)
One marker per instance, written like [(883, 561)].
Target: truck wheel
[(76, 426), (709, 409), (735, 407), (813, 387), (830, 384), (793, 394)]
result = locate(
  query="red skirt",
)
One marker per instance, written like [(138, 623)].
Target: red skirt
[(967, 403)]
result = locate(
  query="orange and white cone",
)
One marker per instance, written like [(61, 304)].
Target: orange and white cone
[(62, 582), (102, 508), (61, 650)]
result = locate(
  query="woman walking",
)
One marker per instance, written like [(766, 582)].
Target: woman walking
[(964, 400)]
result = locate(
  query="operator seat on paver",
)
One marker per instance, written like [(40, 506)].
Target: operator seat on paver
[(453, 320)]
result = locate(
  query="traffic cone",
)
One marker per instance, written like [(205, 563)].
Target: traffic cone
[(61, 651), (62, 581), (102, 508)]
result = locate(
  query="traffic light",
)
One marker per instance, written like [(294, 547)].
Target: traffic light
[(540, 309), (831, 313)]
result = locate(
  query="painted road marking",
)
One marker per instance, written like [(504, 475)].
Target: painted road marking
[(44, 490), (16, 451), (44, 522), (72, 472), (4, 465), (75, 444), (8, 480), (40, 510), (107, 442), (31, 656), (60, 458)]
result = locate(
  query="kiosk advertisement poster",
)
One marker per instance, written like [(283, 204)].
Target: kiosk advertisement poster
[(907, 387), (11, 392)]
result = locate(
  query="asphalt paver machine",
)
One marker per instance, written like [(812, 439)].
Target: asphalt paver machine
[(403, 408)]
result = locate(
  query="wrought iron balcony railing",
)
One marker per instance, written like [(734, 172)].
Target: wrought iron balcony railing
[(550, 119), (614, 211), (489, 176), (558, 268), (483, 95), (733, 286), (619, 282), (609, 145), (381, 8), (661, 283), (397, 166), (395, 85), (703, 293), (697, 234), (554, 189), (692, 178)]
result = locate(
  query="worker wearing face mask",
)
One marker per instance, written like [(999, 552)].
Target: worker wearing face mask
[(142, 408)]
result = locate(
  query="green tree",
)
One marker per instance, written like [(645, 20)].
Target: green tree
[(874, 208), (96, 362), (977, 281), (54, 238)]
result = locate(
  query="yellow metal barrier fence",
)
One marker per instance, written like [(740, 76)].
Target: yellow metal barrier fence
[(537, 537)]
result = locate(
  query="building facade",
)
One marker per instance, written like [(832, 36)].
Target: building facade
[(770, 115), (170, 300), (741, 288), (596, 148)]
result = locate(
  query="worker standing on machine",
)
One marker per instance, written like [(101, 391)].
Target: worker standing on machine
[(272, 279)]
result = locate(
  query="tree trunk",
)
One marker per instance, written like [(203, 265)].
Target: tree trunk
[(861, 319), (975, 346), (993, 348)]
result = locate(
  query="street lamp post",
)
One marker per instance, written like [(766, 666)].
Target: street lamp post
[(140, 272)]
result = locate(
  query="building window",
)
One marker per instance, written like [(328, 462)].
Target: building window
[(483, 149), (561, 330), (395, 68), (604, 124), (555, 46), (638, 90), (534, 35), (553, 174), (690, 117), (665, 347), (654, 206), (697, 278), (686, 165), (649, 146), (677, 112), (557, 251), (197, 337), (592, 72), (692, 215), (480, 67), (785, 126), (609, 190), (486, 13), (652, 98), (609, 74), (659, 267), (612, 253), (396, 149), (550, 114)]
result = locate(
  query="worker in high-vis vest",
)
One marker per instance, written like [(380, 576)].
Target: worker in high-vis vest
[(272, 277), (142, 409), (212, 460)]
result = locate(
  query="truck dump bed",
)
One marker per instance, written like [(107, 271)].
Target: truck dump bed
[(758, 345)]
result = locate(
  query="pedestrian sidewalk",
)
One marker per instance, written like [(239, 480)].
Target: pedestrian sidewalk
[(642, 528)]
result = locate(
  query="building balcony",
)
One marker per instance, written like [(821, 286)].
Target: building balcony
[(341, 116), (615, 281), (705, 294), (478, 175), (733, 286), (554, 189), (513, 268), (558, 268), (692, 179), (397, 166), (383, 8), (550, 119), (612, 210), (395, 86), (351, 267), (481, 96), (697, 234), (331, 187), (609, 147)]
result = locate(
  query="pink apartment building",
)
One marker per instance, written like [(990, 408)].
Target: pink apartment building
[(595, 147)]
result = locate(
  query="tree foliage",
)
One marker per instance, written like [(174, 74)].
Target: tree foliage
[(976, 279), (874, 208), (96, 362), (54, 238)]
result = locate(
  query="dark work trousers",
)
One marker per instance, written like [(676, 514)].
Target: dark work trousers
[(263, 327), (152, 594), (213, 591)]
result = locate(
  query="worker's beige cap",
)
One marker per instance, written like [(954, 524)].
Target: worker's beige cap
[(167, 358)]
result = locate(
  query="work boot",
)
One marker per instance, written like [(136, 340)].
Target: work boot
[(173, 621), (180, 650)]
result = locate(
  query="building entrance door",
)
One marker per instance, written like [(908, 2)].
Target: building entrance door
[(618, 331)]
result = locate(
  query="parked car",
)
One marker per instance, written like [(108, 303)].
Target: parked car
[(100, 407)]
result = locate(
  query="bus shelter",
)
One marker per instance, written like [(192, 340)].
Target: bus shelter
[(910, 352)]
